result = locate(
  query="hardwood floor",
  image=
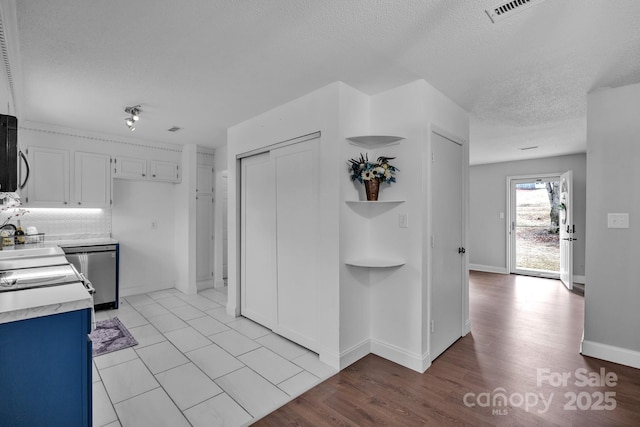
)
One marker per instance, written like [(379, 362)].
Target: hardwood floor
[(525, 334)]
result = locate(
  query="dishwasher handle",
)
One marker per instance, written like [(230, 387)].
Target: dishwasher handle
[(89, 249)]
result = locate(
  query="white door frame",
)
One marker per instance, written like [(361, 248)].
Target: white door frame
[(510, 250)]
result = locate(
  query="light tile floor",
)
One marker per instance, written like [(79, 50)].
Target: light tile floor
[(195, 365)]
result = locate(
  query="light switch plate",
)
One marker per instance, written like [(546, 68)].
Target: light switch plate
[(618, 220), (403, 220)]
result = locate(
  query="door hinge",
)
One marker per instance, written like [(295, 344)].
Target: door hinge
[(433, 158)]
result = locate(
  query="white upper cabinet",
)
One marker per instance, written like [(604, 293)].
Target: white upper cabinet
[(130, 167), (204, 179), (155, 170), (51, 184), (163, 171), (48, 183), (92, 181)]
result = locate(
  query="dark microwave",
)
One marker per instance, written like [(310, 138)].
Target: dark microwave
[(10, 155)]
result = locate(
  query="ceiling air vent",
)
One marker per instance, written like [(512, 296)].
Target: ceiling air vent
[(509, 8), (174, 129)]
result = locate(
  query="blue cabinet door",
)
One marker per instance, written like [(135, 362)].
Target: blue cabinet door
[(45, 371)]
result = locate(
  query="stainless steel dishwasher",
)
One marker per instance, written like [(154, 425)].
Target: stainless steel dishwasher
[(99, 264)]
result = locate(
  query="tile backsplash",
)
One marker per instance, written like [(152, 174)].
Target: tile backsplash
[(70, 223)]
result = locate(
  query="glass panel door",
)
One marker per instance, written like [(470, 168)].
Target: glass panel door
[(535, 216)]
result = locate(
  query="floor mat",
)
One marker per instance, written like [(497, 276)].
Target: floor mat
[(111, 335)]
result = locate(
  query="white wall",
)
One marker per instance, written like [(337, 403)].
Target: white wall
[(355, 299), (400, 299), (317, 111), (487, 246), (612, 291), (146, 254), (220, 216), (184, 204), (385, 311)]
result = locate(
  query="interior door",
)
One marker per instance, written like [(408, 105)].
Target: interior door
[(567, 229), (297, 229), (447, 191), (258, 283)]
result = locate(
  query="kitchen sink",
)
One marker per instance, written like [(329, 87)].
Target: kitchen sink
[(11, 259), (7, 253)]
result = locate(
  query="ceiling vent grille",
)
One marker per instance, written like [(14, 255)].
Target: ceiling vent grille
[(509, 8)]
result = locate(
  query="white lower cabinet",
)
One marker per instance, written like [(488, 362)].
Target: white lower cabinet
[(279, 223)]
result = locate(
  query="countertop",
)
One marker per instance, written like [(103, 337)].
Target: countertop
[(38, 302), (68, 243)]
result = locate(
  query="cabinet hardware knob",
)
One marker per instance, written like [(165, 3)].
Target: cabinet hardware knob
[(65, 203)]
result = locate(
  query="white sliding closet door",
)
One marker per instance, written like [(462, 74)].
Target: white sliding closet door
[(296, 169), (279, 218), (258, 291)]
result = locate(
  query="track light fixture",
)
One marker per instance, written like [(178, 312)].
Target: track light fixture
[(135, 116)]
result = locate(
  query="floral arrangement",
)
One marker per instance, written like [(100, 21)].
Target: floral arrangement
[(363, 170), (10, 201)]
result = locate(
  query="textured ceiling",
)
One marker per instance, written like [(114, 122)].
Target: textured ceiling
[(205, 65)]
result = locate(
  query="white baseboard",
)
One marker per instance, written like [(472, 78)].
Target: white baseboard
[(331, 358), (386, 351), (204, 284), (579, 279), (137, 290), (219, 283), (488, 268), (467, 327), (611, 353), (416, 362), (354, 353)]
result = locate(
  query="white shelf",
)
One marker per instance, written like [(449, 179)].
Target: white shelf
[(375, 262), (370, 209), (374, 140), (373, 202)]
